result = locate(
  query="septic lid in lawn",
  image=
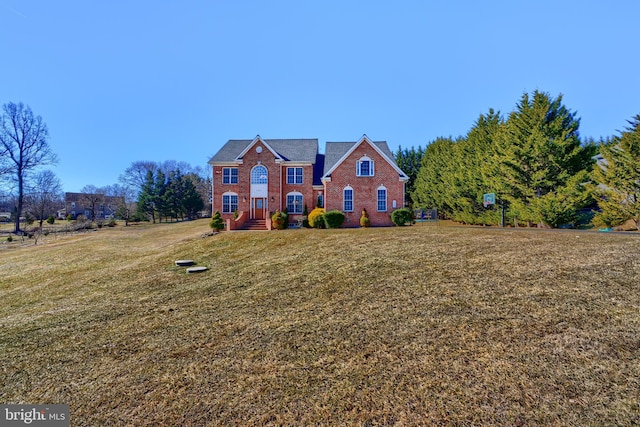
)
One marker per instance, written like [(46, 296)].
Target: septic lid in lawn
[(196, 269)]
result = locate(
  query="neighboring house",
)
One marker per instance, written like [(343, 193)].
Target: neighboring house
[(254, 178), (92, 206)]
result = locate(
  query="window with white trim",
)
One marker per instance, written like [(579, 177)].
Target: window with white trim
[(229, 175), (229, 203), (364, 167), (294, 175), (382, 199), (347, 203), (294, 203), (259, 175)]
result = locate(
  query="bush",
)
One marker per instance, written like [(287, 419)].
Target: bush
[(111, 223), (401, 217), (69, 217), (364, 219), (51, 220), (316, 218), (10, 239), (333, 219), (278, 220), (217, 223)]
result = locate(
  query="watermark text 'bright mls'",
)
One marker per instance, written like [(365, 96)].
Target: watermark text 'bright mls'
[(36, 415)]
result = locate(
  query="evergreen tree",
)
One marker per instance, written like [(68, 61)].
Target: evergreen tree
[(618, 177), (192, 202), (159, 189), (471, 177), (217, 223), (146, 198), (540, 161), (433, 181), (409, 161)]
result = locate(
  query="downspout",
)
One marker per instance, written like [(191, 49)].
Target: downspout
[(280, 202), (213, 192)]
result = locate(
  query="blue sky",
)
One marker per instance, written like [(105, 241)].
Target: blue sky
[(119, 81)]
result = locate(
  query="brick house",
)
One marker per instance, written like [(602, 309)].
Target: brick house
[(254, 178)]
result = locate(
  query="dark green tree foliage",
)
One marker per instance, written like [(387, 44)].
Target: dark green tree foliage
[(217, 223), (618, 177), (541, 163), (409, 161), (171, 196), (471, 177), (191, 197), (159, 199), (433, 182), (146, 198)]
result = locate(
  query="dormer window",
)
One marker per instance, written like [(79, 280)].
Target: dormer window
[(364, 167)]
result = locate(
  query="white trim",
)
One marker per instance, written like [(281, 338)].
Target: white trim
[(226, 164), (402, 175), (294, 175), (229, 193), (386, 199), (348, 187), (365, 158), (294, 193), (230, 168)]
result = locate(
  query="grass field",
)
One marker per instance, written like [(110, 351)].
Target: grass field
[(420, 325)]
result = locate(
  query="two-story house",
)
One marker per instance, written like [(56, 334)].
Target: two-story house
[(92, 206), (254, 178)]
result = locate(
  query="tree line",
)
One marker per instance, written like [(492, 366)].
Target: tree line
[(178, 190), (536, 164)]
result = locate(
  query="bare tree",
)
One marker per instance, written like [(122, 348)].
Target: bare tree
[(23, 147), (126, 206), (92, 196), (135, 175), (45, 195)]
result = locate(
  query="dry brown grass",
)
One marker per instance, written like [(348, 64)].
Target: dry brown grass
[(407, 326)]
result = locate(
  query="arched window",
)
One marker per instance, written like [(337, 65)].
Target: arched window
[(347, 200), (382, 199), (294, 202), (364, 166), (259, 175), (229, 202)]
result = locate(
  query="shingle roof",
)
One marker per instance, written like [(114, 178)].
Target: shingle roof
[(335, 150), (294, 150)]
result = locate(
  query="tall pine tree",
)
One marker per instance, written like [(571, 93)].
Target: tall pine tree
[(541, 164), (618, 177), (433, 181)]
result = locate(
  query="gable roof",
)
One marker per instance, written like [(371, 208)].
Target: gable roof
[(337, 152), (293, 150)]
